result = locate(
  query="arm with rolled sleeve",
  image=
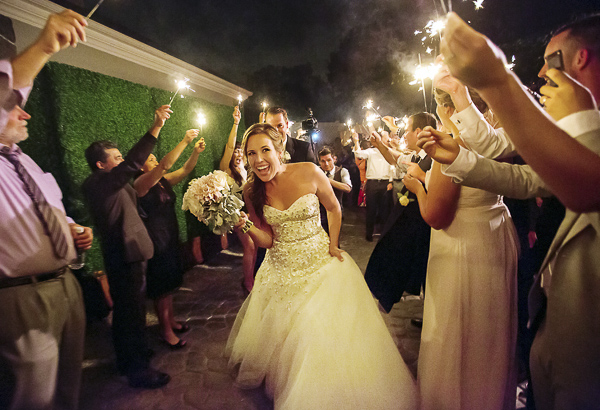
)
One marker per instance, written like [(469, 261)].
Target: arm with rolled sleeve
[(479, 136), (520, 181)]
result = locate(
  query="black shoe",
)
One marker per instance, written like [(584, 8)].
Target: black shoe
[(175, 346), (184, 328), (148, 379), (417, 323)]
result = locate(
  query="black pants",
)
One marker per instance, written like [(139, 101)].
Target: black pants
[(376, 205), (127, 283)]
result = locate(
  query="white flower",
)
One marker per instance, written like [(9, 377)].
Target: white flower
[(212, 201)]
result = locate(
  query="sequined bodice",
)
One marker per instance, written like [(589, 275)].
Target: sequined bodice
[(300, 246)]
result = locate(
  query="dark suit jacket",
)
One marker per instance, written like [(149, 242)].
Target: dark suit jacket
[(398, 263), (300, 151), (425, 165), (113, 205)]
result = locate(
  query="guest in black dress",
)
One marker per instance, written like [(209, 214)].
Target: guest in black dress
[(157, 209)]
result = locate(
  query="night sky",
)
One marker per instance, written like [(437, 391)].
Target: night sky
[(329, 54)]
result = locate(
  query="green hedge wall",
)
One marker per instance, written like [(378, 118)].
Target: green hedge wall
[(72, 107)]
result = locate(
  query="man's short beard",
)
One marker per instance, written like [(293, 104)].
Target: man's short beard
[(13, 136)]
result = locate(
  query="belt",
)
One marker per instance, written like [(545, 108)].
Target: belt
[(28, 280), (378, 180)]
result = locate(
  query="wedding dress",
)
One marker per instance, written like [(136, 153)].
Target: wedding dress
[(311, 329)]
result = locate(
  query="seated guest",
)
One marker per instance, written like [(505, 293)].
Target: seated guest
[(126, 247), (339, 178), (164, 272), (42, 315)]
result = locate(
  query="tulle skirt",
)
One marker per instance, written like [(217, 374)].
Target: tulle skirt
[(324, 346)]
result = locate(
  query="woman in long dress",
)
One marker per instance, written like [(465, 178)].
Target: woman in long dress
[(310, 328), (467, 354)]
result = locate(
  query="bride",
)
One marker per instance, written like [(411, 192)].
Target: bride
[(310, 328)]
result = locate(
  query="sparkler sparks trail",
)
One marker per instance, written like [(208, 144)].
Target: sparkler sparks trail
[(181, 84), (265, 105), (369, 106), (94, 10), (478, 4), (511, 65)]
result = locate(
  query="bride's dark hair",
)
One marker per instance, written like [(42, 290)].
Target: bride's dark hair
[(255, 188)]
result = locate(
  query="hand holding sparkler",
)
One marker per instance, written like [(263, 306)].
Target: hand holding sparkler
[(438, 145), (161, 115), (237, 115), (200, 145), (471, 57), (190, 135), (61, 31)]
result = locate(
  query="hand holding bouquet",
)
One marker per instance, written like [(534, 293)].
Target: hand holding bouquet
[(213, 201)]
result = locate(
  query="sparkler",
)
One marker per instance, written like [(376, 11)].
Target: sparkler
[(478, 4), (265, 105), (201, 119), (182, 84), (510, 65), (369, 106), (94, 9), (240, 101), (423, 86)]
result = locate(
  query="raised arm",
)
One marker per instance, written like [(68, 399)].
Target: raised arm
[(571, 170), (146, 181), (230, 146), (177, 176), (387, 153), (61, 31)]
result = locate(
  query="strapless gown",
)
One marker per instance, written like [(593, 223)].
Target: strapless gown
[(311, 329), (467, 355)]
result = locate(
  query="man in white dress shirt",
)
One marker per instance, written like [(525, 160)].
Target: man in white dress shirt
[(379, 175)]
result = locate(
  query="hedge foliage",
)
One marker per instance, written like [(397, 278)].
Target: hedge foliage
[(72, 107)]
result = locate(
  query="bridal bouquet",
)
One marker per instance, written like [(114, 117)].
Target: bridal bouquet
[(213, 201)]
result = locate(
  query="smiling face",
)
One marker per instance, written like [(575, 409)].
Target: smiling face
[(263, 158), (150, 163), (279, 122), (113, 158), (238, 158)]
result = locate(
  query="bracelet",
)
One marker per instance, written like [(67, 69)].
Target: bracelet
[(236, 123), (247, 226)]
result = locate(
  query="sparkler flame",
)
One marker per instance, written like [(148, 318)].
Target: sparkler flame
[(478, 4), (201, 119)]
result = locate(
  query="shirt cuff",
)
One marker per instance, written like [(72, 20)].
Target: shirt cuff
[(467, 117), (580, 122), (463, 164)]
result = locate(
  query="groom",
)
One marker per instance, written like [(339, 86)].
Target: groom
[(399, 261)]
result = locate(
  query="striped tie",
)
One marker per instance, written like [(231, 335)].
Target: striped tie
[(43, 209)]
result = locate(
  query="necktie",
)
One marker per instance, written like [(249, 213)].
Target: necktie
[(42, 208)]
